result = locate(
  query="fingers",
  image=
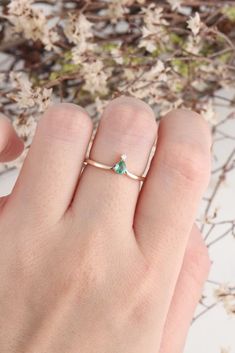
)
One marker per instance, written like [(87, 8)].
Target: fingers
[(11, 146), (193, 275), (170, 196), (50, 173), (127, 127)]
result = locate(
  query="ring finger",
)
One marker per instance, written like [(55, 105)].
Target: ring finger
[(127, 127)]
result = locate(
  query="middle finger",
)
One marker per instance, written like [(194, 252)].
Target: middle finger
[(127, 127)]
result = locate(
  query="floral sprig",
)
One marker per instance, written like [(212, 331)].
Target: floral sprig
[(172, 54)]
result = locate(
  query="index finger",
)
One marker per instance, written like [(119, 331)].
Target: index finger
[(11, 146)]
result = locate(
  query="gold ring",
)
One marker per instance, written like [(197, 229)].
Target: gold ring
[(119, 167)]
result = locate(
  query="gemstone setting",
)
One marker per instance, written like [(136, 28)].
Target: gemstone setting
[(120, 167)]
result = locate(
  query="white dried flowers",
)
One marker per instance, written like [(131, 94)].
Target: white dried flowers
[(27, 96), (195, 24), (31, 22)]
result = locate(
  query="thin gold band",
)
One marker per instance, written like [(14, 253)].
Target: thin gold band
[(108, 167)]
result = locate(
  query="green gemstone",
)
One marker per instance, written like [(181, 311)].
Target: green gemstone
[(120, 167)]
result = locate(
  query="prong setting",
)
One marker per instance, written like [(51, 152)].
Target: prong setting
[(120, 166)]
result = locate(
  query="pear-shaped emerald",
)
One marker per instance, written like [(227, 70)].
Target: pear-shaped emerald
[(120, 167)]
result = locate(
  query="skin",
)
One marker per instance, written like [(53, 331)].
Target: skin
[(89, 262)]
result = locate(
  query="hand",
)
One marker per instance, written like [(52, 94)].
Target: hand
[(11, 145), (87, 263)]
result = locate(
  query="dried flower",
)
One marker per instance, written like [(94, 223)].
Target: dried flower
[(100, 104), (195, 24), (153, 28), (117, 8), (151, 83), (78, 29), (117, 55), (193, 44), (95, 77), (26, 96), (208, 112), (175, 4), (226, 294), (31, 22), (25, 127), (153, 16)]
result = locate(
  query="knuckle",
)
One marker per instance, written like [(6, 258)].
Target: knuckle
[(187, 159), (65, 121), (188, 150), (130, 117)]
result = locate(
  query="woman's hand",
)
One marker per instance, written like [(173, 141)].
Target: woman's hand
[(87, 263), (11, 145)]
